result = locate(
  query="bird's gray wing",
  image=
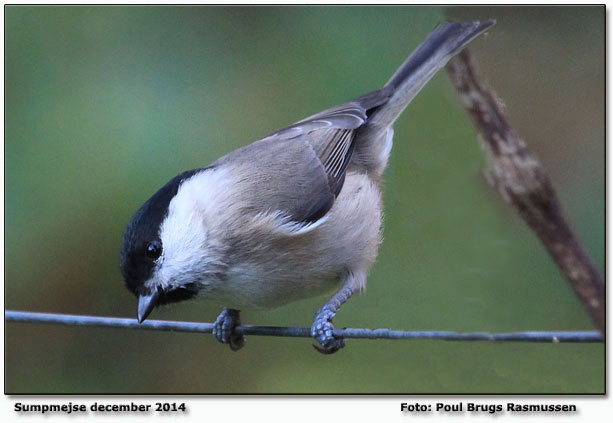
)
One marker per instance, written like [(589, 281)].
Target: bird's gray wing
[(300, 170), (331, 133)]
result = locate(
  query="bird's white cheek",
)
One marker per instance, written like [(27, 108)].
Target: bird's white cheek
[(184, 243), (189, 255)]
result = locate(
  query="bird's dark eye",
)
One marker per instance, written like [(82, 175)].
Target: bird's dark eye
[(154, 250)]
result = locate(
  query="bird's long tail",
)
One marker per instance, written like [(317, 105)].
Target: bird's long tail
[(374, 140), (434, 53)]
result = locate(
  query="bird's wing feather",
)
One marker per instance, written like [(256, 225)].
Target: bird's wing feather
[(300, 170)]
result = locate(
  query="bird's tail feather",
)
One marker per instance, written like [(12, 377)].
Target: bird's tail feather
[(434, 53), (373, 142)]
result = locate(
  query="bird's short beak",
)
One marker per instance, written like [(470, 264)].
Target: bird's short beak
[(146, 303)]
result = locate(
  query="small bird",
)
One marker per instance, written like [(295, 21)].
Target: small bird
[(293, 215)]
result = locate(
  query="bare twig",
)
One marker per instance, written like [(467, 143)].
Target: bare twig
[(521, 181), (296, 332)]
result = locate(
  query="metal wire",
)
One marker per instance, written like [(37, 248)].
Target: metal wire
[(296, 332)]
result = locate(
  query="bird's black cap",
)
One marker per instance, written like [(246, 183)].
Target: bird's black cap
[(136, 266)]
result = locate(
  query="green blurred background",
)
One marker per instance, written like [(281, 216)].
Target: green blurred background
[(105, 104)]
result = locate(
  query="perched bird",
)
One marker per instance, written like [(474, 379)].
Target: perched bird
[(293, 215)]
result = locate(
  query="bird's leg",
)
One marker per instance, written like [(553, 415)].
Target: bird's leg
[(224, 329), (322, 325)]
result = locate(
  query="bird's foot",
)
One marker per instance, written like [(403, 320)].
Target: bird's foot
[(224, 329), (322, 332)]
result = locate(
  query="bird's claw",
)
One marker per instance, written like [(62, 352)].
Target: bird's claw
[(224, 329), (323, 332)]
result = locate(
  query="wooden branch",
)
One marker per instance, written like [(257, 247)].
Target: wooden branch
[(521, 181)]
